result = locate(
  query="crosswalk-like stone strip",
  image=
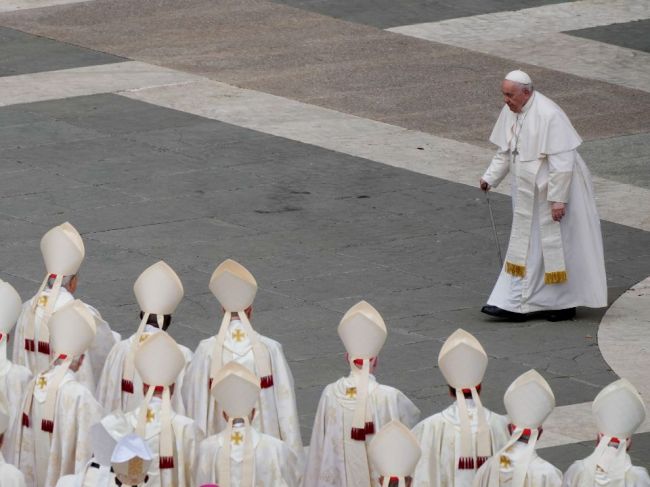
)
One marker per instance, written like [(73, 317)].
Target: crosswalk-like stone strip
[(12, 5), (387, 144), (534, 36)]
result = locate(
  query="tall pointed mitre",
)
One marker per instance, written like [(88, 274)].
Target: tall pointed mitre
[(63, 252), (463, 361), (131, 459), (529, 400), (102, 444), (158, 290), (159, 361), (363, 333), (237, 390), (235, 288), (395, 452), (10, 307), (72, 331), (619, 410), (4, 415)]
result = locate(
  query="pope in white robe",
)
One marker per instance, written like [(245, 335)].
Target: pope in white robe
[(555, 257), (354, 407), (240, 456), (458, 440), (63, 252), (173, 438), (13, 377), (277, 415), (58, 411), (619, 411), (529, 400), (10, 476)]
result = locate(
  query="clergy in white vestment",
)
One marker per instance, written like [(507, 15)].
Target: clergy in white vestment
[(172, 437), (10, 476), (158, 291), (235, 288), (619, 411), (555, 257), (240, 456), (58, 411), (97, 472), (458, 440), (63, 252), (131, 461), (394, 451), (13, 377), (529, 400), (354, 407)]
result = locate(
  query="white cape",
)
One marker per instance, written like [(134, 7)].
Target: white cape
[(36, 362), (634, 476), (335, 460), (540, 473), (277, 414), (439, 438), (109, 387), (187, 437), (13, 381), (67, 449), (276, 465), (10, 476)]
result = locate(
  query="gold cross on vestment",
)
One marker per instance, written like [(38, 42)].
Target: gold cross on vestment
[(42, 382), (238, 335), (504, 462), (236, 438), (150, 415), (351, 392), (143, 337), (42, 301)]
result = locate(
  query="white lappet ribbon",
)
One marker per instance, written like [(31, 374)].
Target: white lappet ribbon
[(362, 421), (128, 372), (44, 331), (224, 460), (468, 460), (166, 445), (521, 467)]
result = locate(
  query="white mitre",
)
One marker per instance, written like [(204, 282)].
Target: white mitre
[(519, 76), (131, 460), (10, 308), (102, 444), (395, 452), (463, 361), (363, 333)]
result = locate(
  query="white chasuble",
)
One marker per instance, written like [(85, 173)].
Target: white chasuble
[(37, 361), (44, 457), (276, 412), (549, 265), (540, 473), (439, 437), (187, 437), (585, 473), (10, 476), (335, 459), (275, 464), (109, 388), (13, 382)]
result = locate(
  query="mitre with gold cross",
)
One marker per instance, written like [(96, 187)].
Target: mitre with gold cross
[(10, 307), (158, 291), (235, 288)]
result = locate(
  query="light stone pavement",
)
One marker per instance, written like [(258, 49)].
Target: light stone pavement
[(151, 162)]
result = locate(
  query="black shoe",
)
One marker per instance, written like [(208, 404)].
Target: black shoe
[(497, 312), (560, 314)]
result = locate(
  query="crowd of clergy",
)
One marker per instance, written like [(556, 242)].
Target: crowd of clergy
[(79, 406)]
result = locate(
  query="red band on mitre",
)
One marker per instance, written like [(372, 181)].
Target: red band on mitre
[(52, 276), (63, 356), (394, 479), (266, 382), (157, 388), (166, 462)]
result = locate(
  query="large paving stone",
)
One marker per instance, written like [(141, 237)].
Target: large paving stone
[(633, 35)]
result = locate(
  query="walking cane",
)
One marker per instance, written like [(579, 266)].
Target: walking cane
[(494, 227)]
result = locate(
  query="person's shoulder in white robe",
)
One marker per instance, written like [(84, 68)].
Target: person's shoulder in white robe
[(634, 477), (12, 386), (10, 476)]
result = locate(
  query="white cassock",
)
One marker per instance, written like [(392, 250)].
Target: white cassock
[(547, 168), (10, 476), (540, 473), (109, 387), (13, 381), (276, 465), (45, 457), (37, 362), (630, 476), (335, 459), (187, 437), (276, 412), (439, 437)]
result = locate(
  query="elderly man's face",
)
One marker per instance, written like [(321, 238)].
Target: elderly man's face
[(514, 95)]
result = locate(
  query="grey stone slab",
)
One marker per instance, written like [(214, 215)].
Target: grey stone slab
[(22, 53), (633, 35), (42, 133)]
